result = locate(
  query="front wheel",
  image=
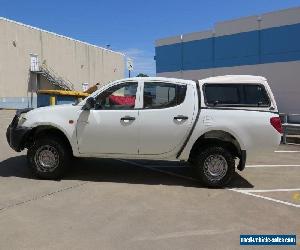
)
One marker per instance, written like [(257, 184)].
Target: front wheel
[(49, 157), (214, 166)]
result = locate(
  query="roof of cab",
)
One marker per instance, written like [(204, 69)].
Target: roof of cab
[(154, 78), (214, 79)]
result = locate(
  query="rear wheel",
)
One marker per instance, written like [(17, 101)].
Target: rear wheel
[(49, 157), (214, 166)]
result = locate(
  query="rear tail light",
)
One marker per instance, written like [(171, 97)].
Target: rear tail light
[(276, 123)]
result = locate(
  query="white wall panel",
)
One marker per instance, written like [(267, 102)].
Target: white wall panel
[(236, 26), (280, 18), (168, 41), (197, 36)]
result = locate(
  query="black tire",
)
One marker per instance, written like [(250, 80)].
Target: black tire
[(61, 157), (205, 175)]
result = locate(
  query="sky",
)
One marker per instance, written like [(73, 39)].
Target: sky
[(133, 26)]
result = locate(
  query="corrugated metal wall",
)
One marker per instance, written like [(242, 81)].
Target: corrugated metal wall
[(73, 60)]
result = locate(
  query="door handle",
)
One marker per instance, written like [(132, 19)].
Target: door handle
[(128, 118), (181, 117)]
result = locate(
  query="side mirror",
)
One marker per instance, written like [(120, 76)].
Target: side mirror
[(89, 104)]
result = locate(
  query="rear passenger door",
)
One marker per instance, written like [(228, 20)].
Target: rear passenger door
[(166, 117)]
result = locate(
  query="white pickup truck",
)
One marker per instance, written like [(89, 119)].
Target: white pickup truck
[(212, 124)]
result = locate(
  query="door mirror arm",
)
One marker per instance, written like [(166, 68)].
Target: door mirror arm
[(89, 104)]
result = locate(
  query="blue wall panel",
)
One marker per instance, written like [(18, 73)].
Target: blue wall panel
[(168, 58), (283, 57), (43, 100), (197, 54), (280, 39), (278, 44), (17, 102), (238, 49), (238, 45)]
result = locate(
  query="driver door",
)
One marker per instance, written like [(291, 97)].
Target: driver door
[(111, 127)]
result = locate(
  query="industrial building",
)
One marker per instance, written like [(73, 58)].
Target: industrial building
[(267, 45), (33, 59)]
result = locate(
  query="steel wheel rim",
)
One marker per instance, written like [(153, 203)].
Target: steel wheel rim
[(46, 159), (215, 167)]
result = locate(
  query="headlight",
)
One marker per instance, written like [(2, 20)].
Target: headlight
[(22, 119)]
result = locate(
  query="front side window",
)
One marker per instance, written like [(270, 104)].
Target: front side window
[(246, 95), (163, 95), (121, 96)]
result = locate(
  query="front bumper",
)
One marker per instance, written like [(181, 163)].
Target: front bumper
[(17, 135)]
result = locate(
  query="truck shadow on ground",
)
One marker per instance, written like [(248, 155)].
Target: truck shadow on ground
[(109, 170)]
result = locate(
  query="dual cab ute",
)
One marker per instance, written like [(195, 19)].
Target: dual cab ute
[(214, 124)]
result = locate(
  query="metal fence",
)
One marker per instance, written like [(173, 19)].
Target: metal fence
[(291, 125)]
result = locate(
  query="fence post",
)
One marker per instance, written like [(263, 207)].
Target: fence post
[(52, 100), (285, 121)]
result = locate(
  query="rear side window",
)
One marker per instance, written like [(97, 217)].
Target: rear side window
[(245, 95), (163, 95), (256, 95)]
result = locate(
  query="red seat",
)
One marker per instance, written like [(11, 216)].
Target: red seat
[(122, 100)]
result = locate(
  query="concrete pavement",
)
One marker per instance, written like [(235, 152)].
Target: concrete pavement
[(112, 204)]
